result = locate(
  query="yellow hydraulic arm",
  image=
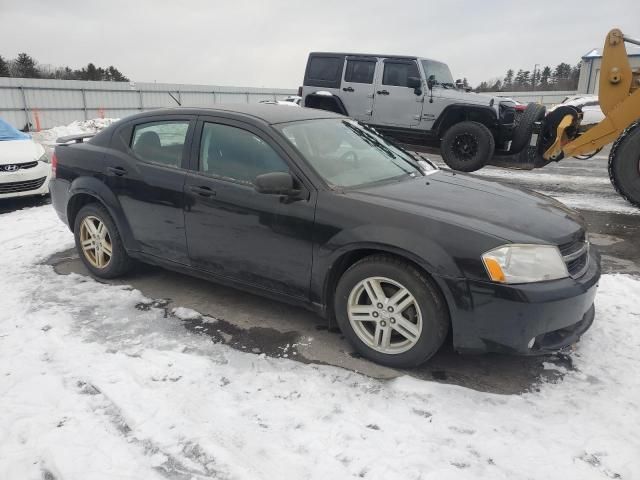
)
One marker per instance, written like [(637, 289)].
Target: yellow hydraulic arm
[(619, 96)]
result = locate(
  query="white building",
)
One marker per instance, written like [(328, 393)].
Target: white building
[(590, 70)]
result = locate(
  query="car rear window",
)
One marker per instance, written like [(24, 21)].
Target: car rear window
[(324, 71), (160, 142)]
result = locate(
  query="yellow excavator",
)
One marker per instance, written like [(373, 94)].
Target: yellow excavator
[(560, 134)]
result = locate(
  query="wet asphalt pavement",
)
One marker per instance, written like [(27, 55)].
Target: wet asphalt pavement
[(260, 326)]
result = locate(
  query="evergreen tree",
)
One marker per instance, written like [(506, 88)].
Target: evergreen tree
[(4, 67), (544, 77), (508, 80), (25, 66)]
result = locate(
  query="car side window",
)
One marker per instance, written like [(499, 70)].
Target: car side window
[(235, 154), (160, 142), (359, 71), (397, 73)]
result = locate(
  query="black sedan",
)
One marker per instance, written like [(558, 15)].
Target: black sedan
[(319, 210)]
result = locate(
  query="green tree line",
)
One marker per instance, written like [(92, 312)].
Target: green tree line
[(562, 77), (25, 66)]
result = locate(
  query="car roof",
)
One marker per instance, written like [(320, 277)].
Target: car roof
[(268, 113), (377, 55)]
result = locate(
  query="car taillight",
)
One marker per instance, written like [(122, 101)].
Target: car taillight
[(54, 165), (299, 91)]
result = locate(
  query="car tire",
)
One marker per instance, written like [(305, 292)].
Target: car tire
[(402, 338), (467, 146), (534, 112), (99, 243), (624, 164)]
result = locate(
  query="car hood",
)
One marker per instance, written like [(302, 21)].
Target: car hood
[(510, 214), (466, 97), (19, 151)]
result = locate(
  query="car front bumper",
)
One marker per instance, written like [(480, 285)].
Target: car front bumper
[(26, 181), (528, 319)]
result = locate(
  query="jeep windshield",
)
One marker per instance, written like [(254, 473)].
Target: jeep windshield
[(439, 70), (347, 154)]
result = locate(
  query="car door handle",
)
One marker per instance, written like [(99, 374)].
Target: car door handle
[(382, 92), (203, 191), (348, 89), (117, 171)]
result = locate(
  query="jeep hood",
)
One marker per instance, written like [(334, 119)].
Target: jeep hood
[(465, 97), (511, 214)]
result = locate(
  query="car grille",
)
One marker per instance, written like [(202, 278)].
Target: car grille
[(576, 256), (14, 167), (15, 187)]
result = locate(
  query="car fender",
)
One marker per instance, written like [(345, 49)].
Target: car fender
[(420, 250), (96, 188)]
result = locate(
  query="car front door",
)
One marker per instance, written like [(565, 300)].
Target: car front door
[(146, 170), (232, 230), (358, 87), (396, 103)]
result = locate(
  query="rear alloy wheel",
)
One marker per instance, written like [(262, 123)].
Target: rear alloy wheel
[(467, 146), (390, 311), (98, 242)]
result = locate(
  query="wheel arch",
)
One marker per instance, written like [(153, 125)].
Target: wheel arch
[(355, 253), (325, 101), (86, 190), (457, 113)]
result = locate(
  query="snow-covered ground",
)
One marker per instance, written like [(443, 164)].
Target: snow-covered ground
[(98, 383)]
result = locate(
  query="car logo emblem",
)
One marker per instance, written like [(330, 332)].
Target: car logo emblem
[(11, 168)]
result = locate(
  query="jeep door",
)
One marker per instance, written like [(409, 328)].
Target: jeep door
[(235, 232), (395, 103), (358, 87)]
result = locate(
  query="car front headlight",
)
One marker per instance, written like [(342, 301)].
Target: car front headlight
[(524, 263), (44, 158)]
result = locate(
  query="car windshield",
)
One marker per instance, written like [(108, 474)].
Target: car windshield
[(346, 154), (439, 70)]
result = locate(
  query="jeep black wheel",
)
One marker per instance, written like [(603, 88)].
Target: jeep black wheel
[(523, 131), (467, 146)]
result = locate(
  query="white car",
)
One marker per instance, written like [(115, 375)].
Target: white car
[(591, 112), (24, 167)]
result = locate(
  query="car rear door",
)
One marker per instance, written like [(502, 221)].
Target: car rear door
[(146, 171), (396, 103), (235, 232), (358, 87)]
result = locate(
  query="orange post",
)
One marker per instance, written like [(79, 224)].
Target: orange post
[(37, 119)]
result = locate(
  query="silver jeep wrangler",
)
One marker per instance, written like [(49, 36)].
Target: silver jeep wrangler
[(415, 101)]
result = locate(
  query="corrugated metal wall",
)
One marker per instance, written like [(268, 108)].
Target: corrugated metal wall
[(59, 102)]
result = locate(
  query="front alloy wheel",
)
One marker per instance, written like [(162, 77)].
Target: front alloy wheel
[(385, 315), (391, 311)]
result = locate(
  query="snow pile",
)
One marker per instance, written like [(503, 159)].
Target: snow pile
[(49, 136), (93, 388)]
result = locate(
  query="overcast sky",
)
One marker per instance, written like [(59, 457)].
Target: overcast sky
[(252, 43)]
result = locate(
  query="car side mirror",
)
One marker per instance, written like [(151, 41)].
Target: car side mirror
[(416, 84), (275, 183), (431, 81)]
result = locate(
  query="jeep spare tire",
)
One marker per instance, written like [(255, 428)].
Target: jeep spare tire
[(522, 133), (467, 146)]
